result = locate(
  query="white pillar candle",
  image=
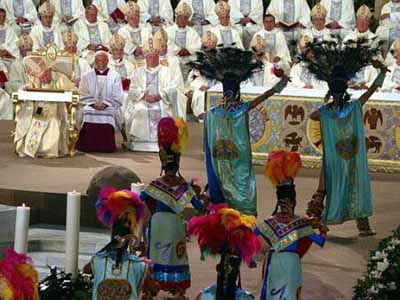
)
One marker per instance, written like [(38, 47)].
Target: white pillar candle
[(138, 187), (72, 233), (21, 229)]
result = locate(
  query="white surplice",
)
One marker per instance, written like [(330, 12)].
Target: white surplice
[(141, 117), (341, 11), (202, 10), (320, 35), (6, 105), (106, 89), (106, 8), (252, 9), (42, 36), (134, 38), (67, 8), (392, 79), (17, 8), (228, 36), (8, 40), (156, 8), (196, 81)]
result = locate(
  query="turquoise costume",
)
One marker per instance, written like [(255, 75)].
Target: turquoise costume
[(230, 173), (345, 164), (167, 233), (289, 239), (119, 283)]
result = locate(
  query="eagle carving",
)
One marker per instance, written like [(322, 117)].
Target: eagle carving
[(296, 113), (372, 116), (293, 141), (373, 143)]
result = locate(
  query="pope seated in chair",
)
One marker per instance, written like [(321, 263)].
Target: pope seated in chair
[(42, 127)]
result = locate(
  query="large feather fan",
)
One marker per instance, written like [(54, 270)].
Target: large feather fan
[(226, 65), (330, 59)]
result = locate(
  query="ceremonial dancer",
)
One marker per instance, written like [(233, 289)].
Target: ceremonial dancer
[(117, 272), (289, 236), (230, 173), (344, 177), (166, 198), (229, 234)]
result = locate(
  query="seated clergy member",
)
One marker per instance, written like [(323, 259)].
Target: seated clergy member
[(111, 12), (174, 68), (318, 29), (8, 40), (101, 93), (67, 13), (300, 75), (151, 98), (91, 34), (156, 12), (203, 16), (183, 41), (275, 41), (390, 60), (134, 33), (6, 105), (200, 84), (292, 16), (17, 74), (340, 16), (227, 35), (364, 16), (392, 80), (70, 40), (46, 32), (247, 17), (265, 76), (389, 28), (21, 13), (42, 127)]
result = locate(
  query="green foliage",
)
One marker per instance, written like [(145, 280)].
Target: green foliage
[(382, 281)]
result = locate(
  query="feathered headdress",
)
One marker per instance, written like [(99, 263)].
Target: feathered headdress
[(225, 228), (336, 61), (111, 205), (229, 65), (18, 278)]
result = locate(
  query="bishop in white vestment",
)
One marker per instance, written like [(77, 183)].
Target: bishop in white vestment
[(6, 105), (67, 13), (318, 28), (134, 33), (247, 17), (390, 60), (183, 41), (101, 93), (364, 16), (91, 33), (204, 16), (151, 98), (21, 13), (389, 29), (8, 41), (292, 16), (228, 36), (46, 32), (158, 13), (111, 12), (392, 79), (341, 17)]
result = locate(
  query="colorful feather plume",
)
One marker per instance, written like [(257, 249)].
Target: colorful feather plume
[(282, 166), (225, 228), (333, 58), (172, 134), (112, 204), (18, 278)]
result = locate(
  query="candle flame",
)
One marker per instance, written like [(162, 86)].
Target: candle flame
[(23, 204)]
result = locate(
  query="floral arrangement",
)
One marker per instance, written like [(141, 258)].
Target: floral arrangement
[(382, 280), (225, 229)]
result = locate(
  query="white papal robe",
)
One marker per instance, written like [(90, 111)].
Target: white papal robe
[(42, 36), (141, 117), (91, 33), (42, 127), (202, 10), (392, 79), (106, 89), (300, 77), (179, 38), (106, 8), (134, 38), (276, 44), (247, 8), (289, 12), (228, 36), (341, 11), (67, 8)]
